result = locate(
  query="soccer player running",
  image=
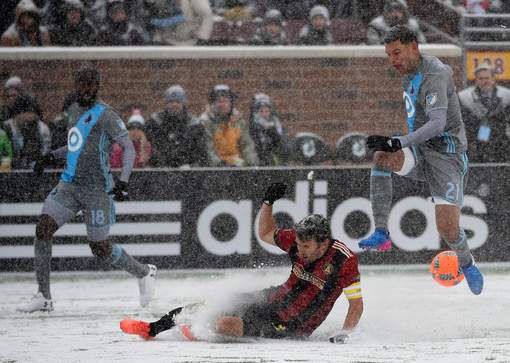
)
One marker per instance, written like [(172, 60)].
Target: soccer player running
[(86, 184), (322, 268), (434, 149)]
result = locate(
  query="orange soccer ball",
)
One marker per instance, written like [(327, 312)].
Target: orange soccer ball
[(445, 269)]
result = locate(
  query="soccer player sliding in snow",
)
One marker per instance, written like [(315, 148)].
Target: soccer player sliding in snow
[(322, 268), (434, 150)]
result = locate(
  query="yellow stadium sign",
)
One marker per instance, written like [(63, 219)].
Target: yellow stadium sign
[(499, 60)]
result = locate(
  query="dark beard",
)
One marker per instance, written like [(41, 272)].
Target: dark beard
[(87, 102)]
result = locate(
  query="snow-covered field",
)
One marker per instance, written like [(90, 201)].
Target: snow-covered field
[(407, 318)]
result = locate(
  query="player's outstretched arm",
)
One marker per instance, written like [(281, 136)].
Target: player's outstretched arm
[(351, 321), (267, 224)]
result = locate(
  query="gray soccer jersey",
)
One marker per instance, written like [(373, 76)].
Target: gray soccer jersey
[(90, 134), (432, 88)]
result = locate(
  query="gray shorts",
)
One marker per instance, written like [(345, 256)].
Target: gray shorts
[(66, 200), (446, 174)]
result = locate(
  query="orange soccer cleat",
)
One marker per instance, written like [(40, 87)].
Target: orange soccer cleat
[(136, 327)]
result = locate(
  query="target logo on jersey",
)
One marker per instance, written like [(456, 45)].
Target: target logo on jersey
[(74, 139)]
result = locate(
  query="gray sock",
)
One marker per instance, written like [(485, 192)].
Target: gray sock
[(42, 266), (381, 195), (121, 260), (461, 248)]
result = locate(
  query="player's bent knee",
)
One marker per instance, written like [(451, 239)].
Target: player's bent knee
[(392, 161), (45, 228), (447, 222), (101, 250), (230, 325)]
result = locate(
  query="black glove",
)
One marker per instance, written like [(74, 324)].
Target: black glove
[(339, 338), (119, 191), (42, 162), (274, 192), (383, 143)]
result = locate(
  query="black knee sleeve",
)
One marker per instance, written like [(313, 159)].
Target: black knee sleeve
[(101, 250)]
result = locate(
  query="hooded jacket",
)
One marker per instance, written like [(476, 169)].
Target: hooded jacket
[(309, 35), (228, 141), (16, 36), (65, 34), (379, 26)]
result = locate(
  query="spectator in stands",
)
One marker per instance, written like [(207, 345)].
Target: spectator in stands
[(480, 7), (143, 148), (227, 136), (94, 11), (337, 8), (5, 151), (486, 114), (118, 30), (290, 9), (26, 31), (8, 10), (73, 29), (395, 12), (267, 132), (271, 31), (236, 10), (184, 22), (30, 137), (317, 32), (176, 135), (17, 100)]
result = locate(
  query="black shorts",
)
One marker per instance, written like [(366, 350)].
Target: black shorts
[(259, 317)]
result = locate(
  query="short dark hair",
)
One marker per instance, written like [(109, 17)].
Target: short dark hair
[(400, 32), (88, 74), (314, 227)]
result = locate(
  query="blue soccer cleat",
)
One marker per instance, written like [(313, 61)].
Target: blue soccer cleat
[(473, 277), (379, 240)]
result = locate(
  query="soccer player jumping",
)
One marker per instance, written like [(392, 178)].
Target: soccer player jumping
[(86, 184), (434, 150)]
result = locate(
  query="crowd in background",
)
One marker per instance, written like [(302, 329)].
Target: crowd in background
[(480, 7), (224, 136), (171, 137), (184, 22)]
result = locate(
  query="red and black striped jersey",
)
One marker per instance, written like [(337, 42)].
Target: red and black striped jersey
[(304, 301)]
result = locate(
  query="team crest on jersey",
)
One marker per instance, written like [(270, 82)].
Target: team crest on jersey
[(431, 99), (74, 139), (328, 268)]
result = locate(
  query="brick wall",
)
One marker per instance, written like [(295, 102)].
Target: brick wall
[(328, 96)]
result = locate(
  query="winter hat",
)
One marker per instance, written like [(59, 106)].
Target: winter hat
[(136, 121), (261, 99), (319, 10), (175, 93), (113, 5), (273, 16), (221, 90), (72, 4), (13, 82), (484, 67)]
